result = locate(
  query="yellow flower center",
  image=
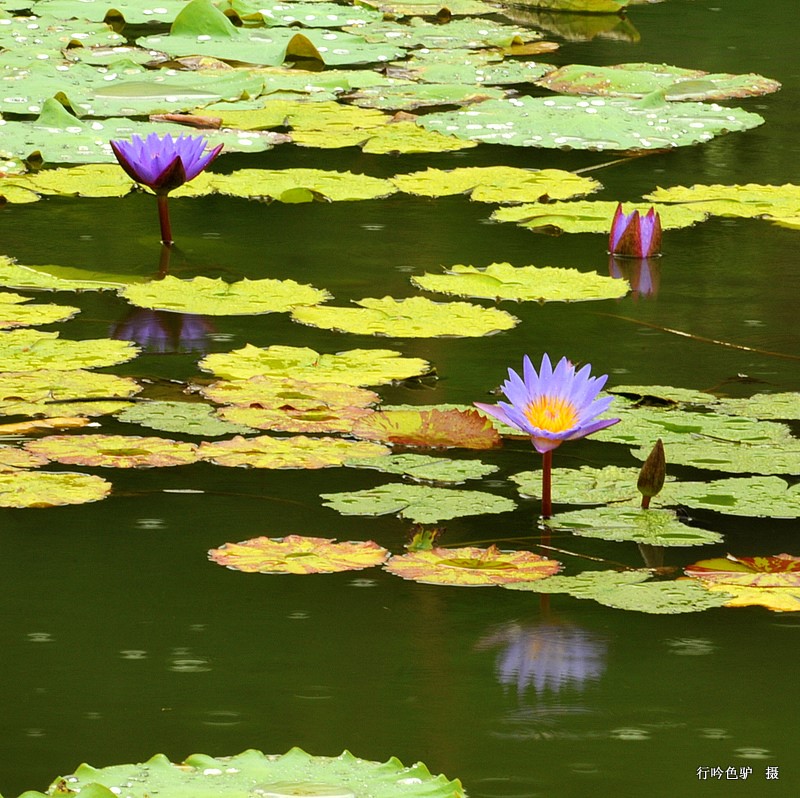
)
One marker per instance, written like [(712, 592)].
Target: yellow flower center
[(552, 414)]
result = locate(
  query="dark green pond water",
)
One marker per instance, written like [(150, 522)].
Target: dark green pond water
[(120, 640)]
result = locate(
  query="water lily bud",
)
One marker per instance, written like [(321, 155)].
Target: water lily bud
[(651, 476), (634, 235)]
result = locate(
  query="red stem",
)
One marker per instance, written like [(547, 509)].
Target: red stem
[(163, 218), (547, 467), (645, 502)]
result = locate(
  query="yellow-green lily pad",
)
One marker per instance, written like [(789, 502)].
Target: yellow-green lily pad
[(297, 451), (415, 317), (45, 489), (423, 468), (296, 554), (523, 284), (208, 297), (783, 406), (14, 313), (351, 367), (189, 418), (30, 350)]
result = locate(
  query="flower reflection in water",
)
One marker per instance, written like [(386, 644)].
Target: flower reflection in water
[(644, 274), (164, 332), (546, 656)]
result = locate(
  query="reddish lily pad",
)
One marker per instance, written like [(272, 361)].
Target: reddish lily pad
[(295, 452), (471, 566), (12, 458), (780, 570), (429, 428), (114, 451), (319, 419), (46, 489), (296, 554)]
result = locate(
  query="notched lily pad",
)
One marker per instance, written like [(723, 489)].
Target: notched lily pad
[(415, 317), (418, 503), (351, 367), (14, 313), (31, 350), (471, 566), (296, 554), (114, 451), (298, 451), (759, 497), (524, 283), (423, 468), (202, 295), (189, 418), (781, 406), (294, 773), (584, 485), (22, 488)]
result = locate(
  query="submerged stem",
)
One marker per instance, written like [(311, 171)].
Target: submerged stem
[(547, 469), (163, 218)]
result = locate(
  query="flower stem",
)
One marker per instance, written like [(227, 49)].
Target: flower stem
[(547, 468), (645, 502), (163, 218)]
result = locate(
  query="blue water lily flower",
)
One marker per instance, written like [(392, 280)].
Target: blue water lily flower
[(164, 164)]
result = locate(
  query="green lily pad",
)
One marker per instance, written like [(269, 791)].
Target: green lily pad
[(351, 367), (748, 201), (639, 80), (189, 418), (584, 485), (523, 284), (415, 317), (586, 584), (297, 451), (426, 8), (585, 216), (114, 451), (14, 313), (208, 297), (31, 350), (92, 180), (484, 68), (591, 124), (584, 6), (294, 773), (783, 406), (404, 138), (662, 598), (407, 96), (653, 527), (423, 468), (57, 278), (471, 567), (282, 393), (315, 14), (27, 393), (295, 554), (429, 428), (498, 184), (760, 497), (666, 394), (134, 12), (418, 503), (43, 489)]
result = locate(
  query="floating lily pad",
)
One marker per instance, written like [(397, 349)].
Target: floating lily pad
[(45, 391), (662, 598), (653, 527), (294, 452), (584, 485), (13, 313), (217, 298), (482, 67), (57, 278), (764, 405), (407, 96), (777, 599), (592, 216), (294, 773), (315, 14), (758, 497), (134, 12), (429, 428), (295, 554), (427, 8), (639, 80), (12, 458), (418, 503), (748, 201), (524, 283), (591, 124), (665, 394), (91, 180), (114, 451), (44, 489), (471, 566), (415, 317), (498, 184), (189, 418), (404, 138), (586, 584), (352, 367), (423, 468), (288, 419), (31, 350)]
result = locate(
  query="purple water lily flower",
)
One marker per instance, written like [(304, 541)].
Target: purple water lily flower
[(635, 236), (164, 164), (553, 406)]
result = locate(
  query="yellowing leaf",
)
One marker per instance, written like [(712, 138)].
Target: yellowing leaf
[(31, 350), (45, 489), (471, 566), (778, 599), (781, 570), (295, 554), (295, 452), (525, 283), (415, 317), (13, 313)]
